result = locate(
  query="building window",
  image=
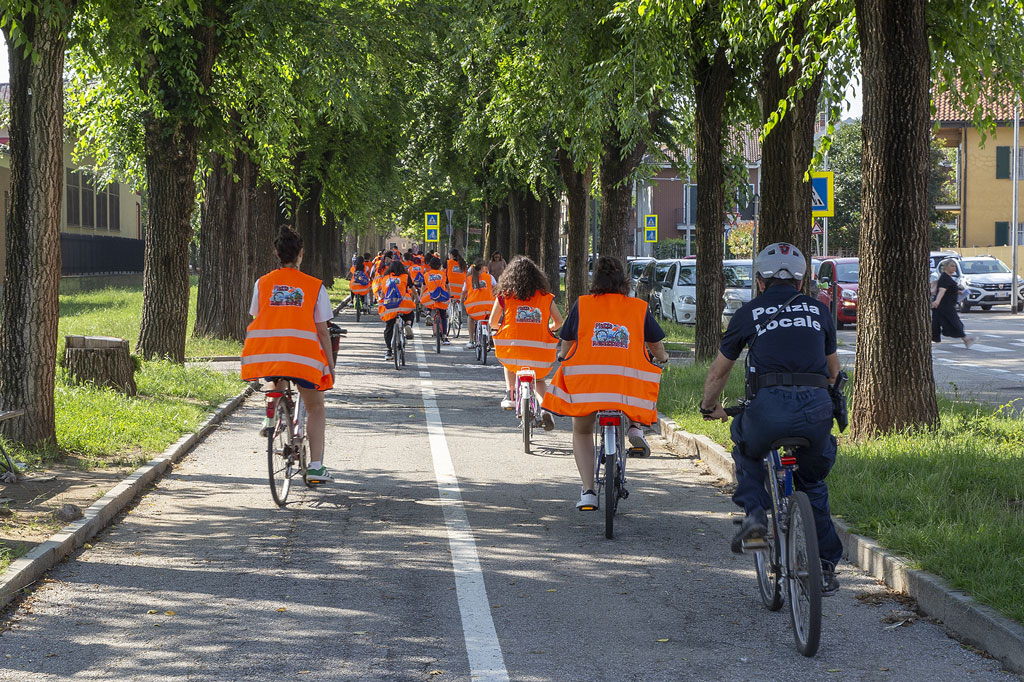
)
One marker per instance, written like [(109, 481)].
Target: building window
[(101, 208), (88, 201), (690, 199), (114, 204), (72, 182)]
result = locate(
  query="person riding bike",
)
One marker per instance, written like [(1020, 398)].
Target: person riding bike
[(288, 338), (359, 282), (608, 340), (455, 270), (792, 361), (396, 299), (478, 298), (524, 317), (436, 295)]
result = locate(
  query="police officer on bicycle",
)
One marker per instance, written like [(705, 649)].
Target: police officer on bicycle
[(791, 362)]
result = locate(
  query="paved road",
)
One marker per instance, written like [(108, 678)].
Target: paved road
[(990, 371), (444, 553)]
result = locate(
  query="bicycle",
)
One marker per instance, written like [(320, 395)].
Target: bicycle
[(435, 321), (527, 409), (788, 555), (455, 319), (358, 303), (398, 342), (610, 454), (287, 445), (483, 340)]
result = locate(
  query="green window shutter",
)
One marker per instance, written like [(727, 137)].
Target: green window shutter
[(1002, 163), (1003, 233)]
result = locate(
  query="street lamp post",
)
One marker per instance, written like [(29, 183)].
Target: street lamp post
[(1015, 174), (753, 247)]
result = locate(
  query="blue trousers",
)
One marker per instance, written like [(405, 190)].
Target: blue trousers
[(781, 412)]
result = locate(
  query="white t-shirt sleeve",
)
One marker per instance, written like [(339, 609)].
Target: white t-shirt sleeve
[(323, 311), (254, 307), (494, 282)]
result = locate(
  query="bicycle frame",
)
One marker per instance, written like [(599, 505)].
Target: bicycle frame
[(609, 441), (525, 377)]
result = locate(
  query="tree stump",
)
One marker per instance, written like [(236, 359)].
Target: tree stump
[(102, 360)]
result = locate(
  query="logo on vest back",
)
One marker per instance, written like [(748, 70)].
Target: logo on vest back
[(609, 335), (285, 295), (528, 314)]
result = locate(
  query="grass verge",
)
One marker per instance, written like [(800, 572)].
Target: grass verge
[(951, 500)]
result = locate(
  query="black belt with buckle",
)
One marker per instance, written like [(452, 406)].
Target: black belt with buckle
[(791, 379)]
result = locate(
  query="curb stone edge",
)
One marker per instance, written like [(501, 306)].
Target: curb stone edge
[(29, 568), (971, 622)]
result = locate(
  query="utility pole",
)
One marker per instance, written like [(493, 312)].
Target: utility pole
[(1015, 174), (753, 249)]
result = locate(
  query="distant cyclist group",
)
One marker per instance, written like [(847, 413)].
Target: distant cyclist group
[(609, 353)]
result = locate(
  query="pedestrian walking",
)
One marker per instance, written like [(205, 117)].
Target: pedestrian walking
[(496, 265), (945, 321)]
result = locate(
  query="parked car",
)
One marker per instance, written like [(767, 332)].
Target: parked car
[(985, 280), (679, 292), (635, 266), (561, 263), (738, 278), (648, 285), (838, 277), (936, 257)]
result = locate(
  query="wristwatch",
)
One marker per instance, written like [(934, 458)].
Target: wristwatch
[(705, 411)]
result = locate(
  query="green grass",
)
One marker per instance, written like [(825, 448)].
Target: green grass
[(951, 500), (10, 554), (675, 332)]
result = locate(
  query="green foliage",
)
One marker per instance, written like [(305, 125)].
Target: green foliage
[(741, 240)]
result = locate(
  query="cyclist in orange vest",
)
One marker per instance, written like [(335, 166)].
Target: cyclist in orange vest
[(455, 270), (288, 337), (478, 298), (436, 295), (396, 299), (359, 282), (525, 316), (608, 341)]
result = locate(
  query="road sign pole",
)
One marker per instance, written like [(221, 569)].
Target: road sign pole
[(824, 236), (1015, 174)]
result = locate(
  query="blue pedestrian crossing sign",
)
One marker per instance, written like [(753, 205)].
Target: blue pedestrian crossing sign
[(823, 196), (431, 222), (650, 229)]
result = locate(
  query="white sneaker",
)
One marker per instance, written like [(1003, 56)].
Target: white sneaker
[(588, 501), (388, 356), (470, 345), (507, 403), (637, 440), (408, 332), (970, 340)]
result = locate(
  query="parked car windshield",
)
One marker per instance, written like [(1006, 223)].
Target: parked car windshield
[(687, 275), (661, 272), (847, 272), (737, 276), (637, 267), (986, 266)]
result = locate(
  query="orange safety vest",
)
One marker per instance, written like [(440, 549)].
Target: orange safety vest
[(524, 340), (609, 367), (282, 341), (480, 300), (456, 278), (357, 289), (434, 279), (416, 272), (406, 306)]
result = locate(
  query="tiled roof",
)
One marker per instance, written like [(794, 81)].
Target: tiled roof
[(998, 106)]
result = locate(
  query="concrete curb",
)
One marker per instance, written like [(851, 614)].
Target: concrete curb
[(28, 569), (971, 622)]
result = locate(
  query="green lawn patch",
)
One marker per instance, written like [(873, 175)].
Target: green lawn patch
[(951, 500), (675, 332), (9, 554)]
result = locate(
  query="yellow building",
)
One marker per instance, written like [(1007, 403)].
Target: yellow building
[(985, 191)]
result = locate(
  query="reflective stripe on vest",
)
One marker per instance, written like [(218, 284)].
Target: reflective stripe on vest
[(616, 370), (524, 338), (285, 357), (602, 398), (519, 343), (282, 333)]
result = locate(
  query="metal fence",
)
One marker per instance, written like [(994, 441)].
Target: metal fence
[(88, 255)]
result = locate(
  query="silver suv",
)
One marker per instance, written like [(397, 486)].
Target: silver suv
[(986, 282)]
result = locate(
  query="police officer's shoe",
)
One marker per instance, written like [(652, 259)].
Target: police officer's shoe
[(753, 529), (829, 584)]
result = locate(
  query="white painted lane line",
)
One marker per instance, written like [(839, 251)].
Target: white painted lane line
[(990, 349), (844, 351), (486, 662)]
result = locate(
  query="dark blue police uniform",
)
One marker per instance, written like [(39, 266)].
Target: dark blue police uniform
[(797, 341)]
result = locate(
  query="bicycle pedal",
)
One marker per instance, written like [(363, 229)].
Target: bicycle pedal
[(588, 507), (755, 545), (636, 452), (624, 494)]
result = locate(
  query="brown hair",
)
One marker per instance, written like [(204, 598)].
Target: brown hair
[(478, 265), (287, 245), (522, 279), (609, 277)]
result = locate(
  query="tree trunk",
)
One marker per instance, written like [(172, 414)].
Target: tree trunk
[(617, 165), (262, 231), (100, 360), (894, 386), (490, 243), (713, 80), (310, 227), (225, 280), (533, 226), (785, 213), (28, 334), (549, 241), (577, 185), (503, 231), (516, 229), (329, 247)]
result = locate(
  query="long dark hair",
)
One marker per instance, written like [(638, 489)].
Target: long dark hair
[(397, 268), (478, 265), (522, 279), (287, 244), (609, 277), (457, 257), (360, 264)]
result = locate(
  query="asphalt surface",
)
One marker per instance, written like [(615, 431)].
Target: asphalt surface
[(438, 546), (991, 371)]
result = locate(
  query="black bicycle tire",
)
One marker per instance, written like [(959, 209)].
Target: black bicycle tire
[(396, 342), (611, 493), (358, 307), (487, 342), (281, 413), (770, 588), (527, 422), (801, 515), (437, 331)]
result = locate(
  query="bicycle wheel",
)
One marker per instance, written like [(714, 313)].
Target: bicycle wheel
[(396, 343), (437, 331), (485, 340), (527, 415), (456, 321), (767, 565), (611, 493), (357, 304), (281, 456), (803, 575)]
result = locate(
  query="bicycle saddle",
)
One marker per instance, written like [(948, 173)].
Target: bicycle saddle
[(795, 442)]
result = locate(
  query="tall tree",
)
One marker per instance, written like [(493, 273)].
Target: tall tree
[(36, 33)]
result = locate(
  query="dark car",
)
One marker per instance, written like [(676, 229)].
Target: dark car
[(649, 284), (838, 277)]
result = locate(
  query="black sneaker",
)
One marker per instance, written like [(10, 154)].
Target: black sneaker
[(754, 527), (829, 584)]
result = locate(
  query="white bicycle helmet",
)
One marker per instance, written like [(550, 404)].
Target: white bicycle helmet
[(781, 261)]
